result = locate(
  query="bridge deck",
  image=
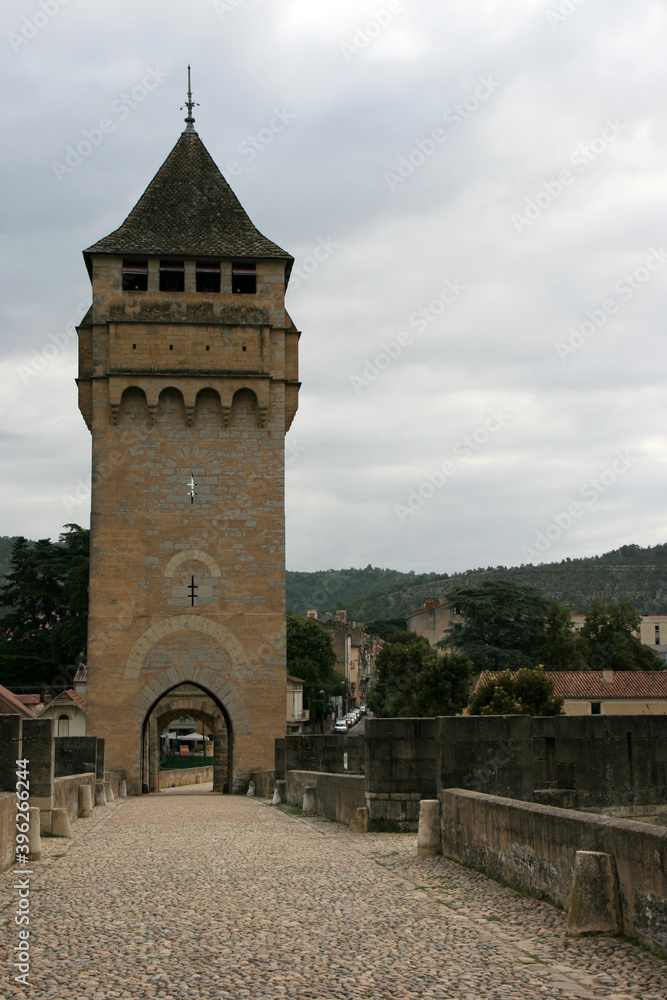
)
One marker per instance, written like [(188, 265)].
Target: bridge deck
[(187, 894)]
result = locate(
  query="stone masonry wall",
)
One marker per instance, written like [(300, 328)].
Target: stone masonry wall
[(588, 762), (175, 385), (534, 847), (315, 753)]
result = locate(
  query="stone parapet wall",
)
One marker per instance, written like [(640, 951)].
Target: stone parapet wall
[(76, 755), (265, 783), (315, 753), (175, 777), (66, 793), (534, 847), (356, 754), (338, 795), (590, 762), (401, 756), (595, 763), (7, 829)]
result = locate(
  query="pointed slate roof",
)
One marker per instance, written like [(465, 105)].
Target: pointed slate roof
[(188, 209)]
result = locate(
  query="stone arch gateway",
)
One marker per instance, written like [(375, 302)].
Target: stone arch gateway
[(188, 382), (192, 700)]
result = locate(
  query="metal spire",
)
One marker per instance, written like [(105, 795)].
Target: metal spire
[(190, 104)]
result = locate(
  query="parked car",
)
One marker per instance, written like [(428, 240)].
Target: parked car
[(362, 709), (340, 726)]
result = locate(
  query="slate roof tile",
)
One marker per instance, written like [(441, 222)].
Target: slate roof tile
[(188, 209)]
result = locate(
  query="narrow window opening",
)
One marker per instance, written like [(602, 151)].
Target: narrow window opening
[(192, 587), (192, 493), (208, 277), (244, 279), (208, 348), (172, 276), (134, 347), (596, 708), (171, 347), (243, 348), (135, 275)]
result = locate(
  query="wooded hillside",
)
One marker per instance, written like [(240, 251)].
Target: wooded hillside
[(631, 573)]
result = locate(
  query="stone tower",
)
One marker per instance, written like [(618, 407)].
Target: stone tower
[(188, 384)]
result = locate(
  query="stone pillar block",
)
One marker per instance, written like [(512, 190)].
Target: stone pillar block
[(60, 825), (197, 779), (37, 748), (10, 750), (359, 821), (85, 802), (280, 793), (595, 902), (310, 800), (100, 794), (251, 788), (108, 791), (34, 835), (428, 836), (99, 760), (122, 789)]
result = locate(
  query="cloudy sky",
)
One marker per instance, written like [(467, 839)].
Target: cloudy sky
[(476, 197)]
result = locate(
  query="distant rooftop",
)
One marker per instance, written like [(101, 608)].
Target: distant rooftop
[(590, 685)]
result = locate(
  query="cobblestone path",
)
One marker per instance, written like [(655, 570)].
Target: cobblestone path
[(187, 894)]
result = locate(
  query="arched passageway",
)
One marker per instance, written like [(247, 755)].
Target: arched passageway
[(196, 701)]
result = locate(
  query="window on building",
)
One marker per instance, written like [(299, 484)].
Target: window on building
[(208, 277), (172, 276), (657, 635), (596, 707), (63, 725), (135, 275), (244, 279)]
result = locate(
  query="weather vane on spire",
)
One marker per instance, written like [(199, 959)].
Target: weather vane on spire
[(190, 104)]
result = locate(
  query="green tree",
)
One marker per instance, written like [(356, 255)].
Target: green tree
[(528, 692), (45, 596), (311, 657), (503, 624), (384, 627), (412, 679), (608, 639), (563, 649)]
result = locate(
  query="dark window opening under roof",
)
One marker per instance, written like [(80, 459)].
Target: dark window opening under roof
[(244, 279), (172, 276), (135, 275), (208, 277)]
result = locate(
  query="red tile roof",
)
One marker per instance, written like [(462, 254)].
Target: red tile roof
[(10, 705), (66, 696), (589, 685), (29, 699), (423, 610)]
